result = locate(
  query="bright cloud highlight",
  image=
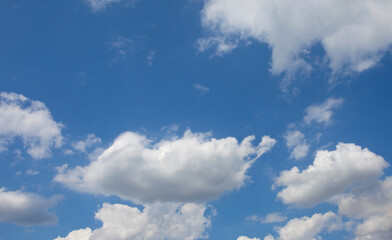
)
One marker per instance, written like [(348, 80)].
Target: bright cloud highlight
[(31, 121)]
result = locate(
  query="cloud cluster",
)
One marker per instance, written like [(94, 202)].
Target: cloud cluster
[(193, 168), (372, 204), (31, 121), (157, 221), (354, 34), (26, 209), (348, 177), (332, 172)]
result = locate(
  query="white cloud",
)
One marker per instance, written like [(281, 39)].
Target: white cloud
[(98, 5), (269, 237), (90, 141), (201, 88), (332, 172), (296, 142), (26, 209), (270, 218), (322, 113), (354, 34), (192, 168), (31, 121), (372, 204), (246, 238), (81, 234), (306, 228), (156, 222)]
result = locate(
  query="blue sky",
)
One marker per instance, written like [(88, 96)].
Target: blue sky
[(215, 119)]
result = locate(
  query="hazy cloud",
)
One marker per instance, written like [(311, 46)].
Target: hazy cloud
[(26, 209)]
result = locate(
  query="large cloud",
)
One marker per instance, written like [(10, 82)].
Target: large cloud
[(31, 121), (372, 204), (26, 209), (156, 222), (331, 173), (193, 168), (355, 34)]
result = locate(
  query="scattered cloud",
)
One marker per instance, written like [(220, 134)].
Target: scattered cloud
[(352, 42), (322, 113), (296, 142), (246, 238), (31, 121), (201, 88), (157, 221), (124, 46), (193, 168), (83, 145), (32, 172), (270, 218), (26, 209), (150, 57), (331, 173), (306, 228), (98, 5)]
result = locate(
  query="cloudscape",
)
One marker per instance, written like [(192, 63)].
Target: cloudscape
[(201, 119)]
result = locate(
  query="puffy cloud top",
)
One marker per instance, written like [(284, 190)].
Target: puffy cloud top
[(355, 34), (193, 168), (26, 209), (157, 221), (332, 172), (31, 121), (306, 228)]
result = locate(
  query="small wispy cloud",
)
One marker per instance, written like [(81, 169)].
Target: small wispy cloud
[(270, 218), (150, 57), (322, 113), (99, 5), (201, 88)]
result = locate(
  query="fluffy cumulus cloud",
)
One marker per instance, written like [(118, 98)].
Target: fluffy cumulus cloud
[(296, 142), (157, 221), (322, 113), (31, 121), (372, 206), (192, 168), (354, 34), (306, 228), (331, 173), (26, 209)]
